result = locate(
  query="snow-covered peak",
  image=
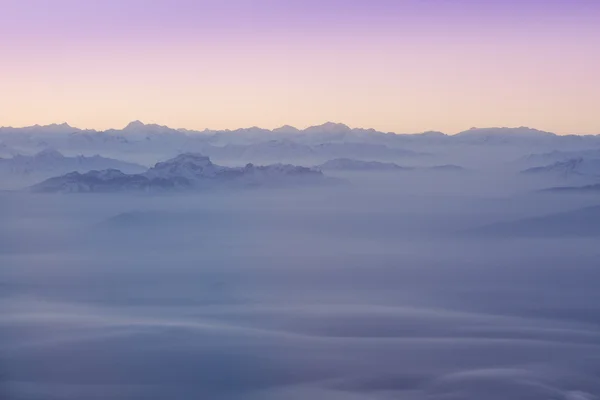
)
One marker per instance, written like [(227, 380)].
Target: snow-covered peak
[(188, 171), (103, 175), (187, 165), (63, 125), (108, 180)]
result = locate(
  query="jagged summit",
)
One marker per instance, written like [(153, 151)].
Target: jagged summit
[(186, 165), (53, 128), (53, 125), (62, 125), (187, 171)]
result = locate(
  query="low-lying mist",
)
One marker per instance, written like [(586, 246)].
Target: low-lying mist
[(393, 286)]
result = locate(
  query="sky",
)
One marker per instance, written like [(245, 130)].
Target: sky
[(393, 65)]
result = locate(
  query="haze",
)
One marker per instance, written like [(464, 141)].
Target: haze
[(178, 220), (388, 267)]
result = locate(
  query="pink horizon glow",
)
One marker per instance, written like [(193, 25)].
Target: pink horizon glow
[(401, 66)]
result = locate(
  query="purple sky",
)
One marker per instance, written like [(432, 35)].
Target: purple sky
[(398, 65)]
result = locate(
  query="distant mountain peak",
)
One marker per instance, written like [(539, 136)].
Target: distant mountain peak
[(135, 125), (195, 158), (49, 153), (574, 166), (188, 165), (499, 131), (63, 125), (186, 171), (434, 134), (350, 164), (329, 127), (286, 129)]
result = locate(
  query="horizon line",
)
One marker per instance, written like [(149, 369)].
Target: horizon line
[(184, 130)]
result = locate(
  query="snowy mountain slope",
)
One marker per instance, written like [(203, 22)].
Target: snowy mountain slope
[(189, 171), (147, 143), (20, 170)]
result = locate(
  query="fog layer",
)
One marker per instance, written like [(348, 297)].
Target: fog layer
[(389, 287)]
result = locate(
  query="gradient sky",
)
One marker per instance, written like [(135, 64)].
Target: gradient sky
[(393, 65)]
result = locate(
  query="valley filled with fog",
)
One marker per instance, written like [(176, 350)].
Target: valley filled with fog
[(325, 263)]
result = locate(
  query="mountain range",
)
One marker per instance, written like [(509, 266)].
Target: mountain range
[(21, 170), (580, 167), (140, 137), (348, 164), (328, 131), (330, 146), (188, 171)]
